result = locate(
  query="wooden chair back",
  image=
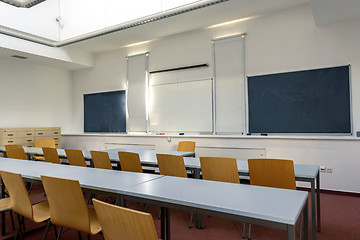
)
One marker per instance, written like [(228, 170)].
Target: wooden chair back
[(20, 201), (67, 204), (171, 165), (130, 162), (75, 157), (15, 151), (219, 169), (120, 223), (276, 173), (186, 146), (101, 159), (45, 143), (51, 155)]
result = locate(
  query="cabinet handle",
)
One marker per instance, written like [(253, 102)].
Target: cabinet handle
[(10, 134), (29, 140), (40, 133), (56, 132), (29, 134), (55, 138), (10, 141)]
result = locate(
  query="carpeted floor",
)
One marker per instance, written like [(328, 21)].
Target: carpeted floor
[(340, 217)]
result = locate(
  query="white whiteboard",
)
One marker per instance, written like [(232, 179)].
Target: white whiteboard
[(229, 68), (181, 106)]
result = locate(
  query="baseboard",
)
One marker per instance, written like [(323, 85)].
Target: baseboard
[(353, 194)]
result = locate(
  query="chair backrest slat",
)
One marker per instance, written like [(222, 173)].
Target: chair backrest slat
[(75, 157), (219, 169), (130, 162), (120, 223), (101, 159), (186, 146), (171, 165), (20, 201), (276, 173), (67, 204), (15, 151)]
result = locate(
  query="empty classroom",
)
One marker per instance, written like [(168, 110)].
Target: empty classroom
[(194, 119)]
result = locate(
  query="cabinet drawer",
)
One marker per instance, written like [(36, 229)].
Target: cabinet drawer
[(18, 134), (46, 133), (20, 141)]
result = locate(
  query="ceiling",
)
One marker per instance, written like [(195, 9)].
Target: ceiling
[(226, 11)]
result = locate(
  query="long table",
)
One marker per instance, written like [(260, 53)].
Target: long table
[(271, 207), (303, 172)]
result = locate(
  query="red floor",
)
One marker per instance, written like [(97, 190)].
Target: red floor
[(340, 216)]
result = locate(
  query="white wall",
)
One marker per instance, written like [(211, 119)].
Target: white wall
[(34, 95), (282, 41)]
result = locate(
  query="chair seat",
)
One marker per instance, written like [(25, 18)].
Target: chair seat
[(94, 221), (39, 158), (41, 211), (5, 204)]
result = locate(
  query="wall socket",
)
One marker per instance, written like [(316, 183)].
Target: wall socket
[(325, 169)]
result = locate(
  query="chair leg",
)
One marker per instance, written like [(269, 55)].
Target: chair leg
[(191, 219), (55, 231), (244, 230), (88, 236), (301, 223), (79, 234), (159, 217), (249, 237), (19, 231), (146, 207), (59, 234), (47, 229), (12, 220), (23, 223)]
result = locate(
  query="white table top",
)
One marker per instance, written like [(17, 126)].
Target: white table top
[(269, 204), (149, 157), (92, 178)]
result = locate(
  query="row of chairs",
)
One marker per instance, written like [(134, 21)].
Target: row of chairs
[(269, 172), (66, 207)]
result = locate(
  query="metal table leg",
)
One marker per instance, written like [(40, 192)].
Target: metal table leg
[(163, 222), (2, 195), (306, 221), (313, 212), (291, 232), (167, 224), (198, 222), (318, 202)]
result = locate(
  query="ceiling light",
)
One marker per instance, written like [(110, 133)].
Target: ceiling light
[(138, 43), (231, 22), (22, 3)]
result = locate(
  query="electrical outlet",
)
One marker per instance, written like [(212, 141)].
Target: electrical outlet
[(329, 169), (322, 169)]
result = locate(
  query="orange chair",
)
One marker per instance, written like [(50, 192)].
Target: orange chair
[(120, 223), (130, 162), (51, 155), (276, 173), (68, 207), (101, 160), (40, 143), (21, 204), (15, 151), (186, 146), (75, 157), (219, 169)]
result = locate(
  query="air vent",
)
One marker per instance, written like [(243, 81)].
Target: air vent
[(22, 3), (18, 57)]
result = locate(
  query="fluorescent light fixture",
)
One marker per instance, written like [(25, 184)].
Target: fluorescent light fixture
[(231, 22), (138, 43), (22, 3)]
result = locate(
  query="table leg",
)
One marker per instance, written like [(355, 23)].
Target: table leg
[(313, 212), (198, 222), (167, 224), (3, 213), (291, 232), (318, 202), (306, 221), (120, 200), (162, 220)]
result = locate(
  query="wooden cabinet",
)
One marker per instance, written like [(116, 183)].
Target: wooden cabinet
[(27, 136)]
